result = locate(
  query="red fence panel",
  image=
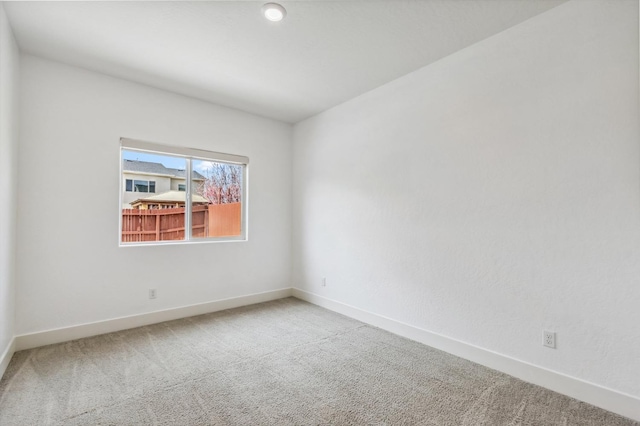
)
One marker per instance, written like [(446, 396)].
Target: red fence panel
[(213, 220), (152, 225), (225, 220)]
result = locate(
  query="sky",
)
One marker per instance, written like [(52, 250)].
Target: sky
[(166, 160)]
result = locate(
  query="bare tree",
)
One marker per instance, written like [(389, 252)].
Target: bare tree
[(222, 184)]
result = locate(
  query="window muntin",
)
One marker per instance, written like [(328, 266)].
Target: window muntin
[(209, 204)]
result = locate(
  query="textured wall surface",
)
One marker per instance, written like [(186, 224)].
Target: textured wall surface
[(9, 63), (70, 268), (491, 195)]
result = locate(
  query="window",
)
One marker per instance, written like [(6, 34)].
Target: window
[(174, 194), (140, 185)]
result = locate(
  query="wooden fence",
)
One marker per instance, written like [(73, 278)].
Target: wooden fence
[(225, 220), (213, 220)]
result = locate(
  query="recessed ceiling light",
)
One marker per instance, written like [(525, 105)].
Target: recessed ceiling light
[(274, 12)]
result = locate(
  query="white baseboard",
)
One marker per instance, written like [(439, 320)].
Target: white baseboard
[(58, 335), (608, 399), (5, 358)]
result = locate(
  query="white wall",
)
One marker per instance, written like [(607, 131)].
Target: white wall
[(491, 195), (70, 268), (9, 62)]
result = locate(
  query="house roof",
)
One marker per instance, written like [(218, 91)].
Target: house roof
[(136, 166), (171, 197)]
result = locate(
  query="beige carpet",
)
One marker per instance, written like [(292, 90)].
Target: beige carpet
[(279, 363)]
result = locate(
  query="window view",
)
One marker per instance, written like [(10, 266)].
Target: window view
[(157, 205), (217, 200)]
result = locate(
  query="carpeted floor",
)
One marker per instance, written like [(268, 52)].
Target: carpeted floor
[(285, 362)]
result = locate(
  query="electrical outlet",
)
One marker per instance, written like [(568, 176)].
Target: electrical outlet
[(324, 281), (549, 339), (152, 293)]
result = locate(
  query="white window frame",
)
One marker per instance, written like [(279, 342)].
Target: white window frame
[(188, 154)]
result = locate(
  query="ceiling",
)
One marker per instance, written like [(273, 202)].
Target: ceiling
[(322, 54)]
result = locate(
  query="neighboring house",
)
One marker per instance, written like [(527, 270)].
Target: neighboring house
[(167, 200), (141, 179)]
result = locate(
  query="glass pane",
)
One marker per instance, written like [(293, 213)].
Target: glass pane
[(140, 186), (216, 199), (152, 211)]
